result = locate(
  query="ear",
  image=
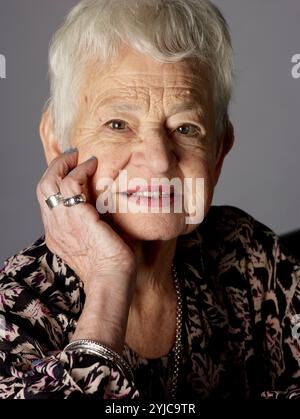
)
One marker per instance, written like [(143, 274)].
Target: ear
[(49, 140), (226, 144)]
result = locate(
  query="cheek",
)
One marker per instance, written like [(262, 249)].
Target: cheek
[(111, 159), (110, 162), (200, 167)]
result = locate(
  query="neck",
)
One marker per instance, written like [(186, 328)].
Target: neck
[(152, 315), (154, 271)]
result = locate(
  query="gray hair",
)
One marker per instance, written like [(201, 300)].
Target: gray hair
[(167, 30)]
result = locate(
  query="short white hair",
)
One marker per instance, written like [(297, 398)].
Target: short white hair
[(167, 30)]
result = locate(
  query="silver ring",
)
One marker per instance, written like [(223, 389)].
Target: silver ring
[(74, 200), (53, 200)]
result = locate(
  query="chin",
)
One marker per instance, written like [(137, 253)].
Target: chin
[(148, 227)]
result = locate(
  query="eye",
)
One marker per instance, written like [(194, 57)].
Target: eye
[(188, 130), (117, 124)]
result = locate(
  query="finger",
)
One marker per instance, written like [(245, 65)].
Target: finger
[(73, 184), (57, 170), (76, 181)]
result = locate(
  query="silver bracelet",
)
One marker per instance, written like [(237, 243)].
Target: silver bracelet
[(96, 348)]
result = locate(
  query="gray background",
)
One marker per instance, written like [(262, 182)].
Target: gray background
[(261, 173)]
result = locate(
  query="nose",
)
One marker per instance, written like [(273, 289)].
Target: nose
[(156, 152)]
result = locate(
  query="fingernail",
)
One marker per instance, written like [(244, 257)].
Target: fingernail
[(70, 150), (92, 158)]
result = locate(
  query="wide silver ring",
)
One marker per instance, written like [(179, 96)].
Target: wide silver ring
[(74, 200), (54, 200)]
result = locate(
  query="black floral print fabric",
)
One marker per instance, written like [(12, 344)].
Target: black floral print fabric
[(241, 302)]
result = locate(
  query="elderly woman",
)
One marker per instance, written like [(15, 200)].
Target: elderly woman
[(151, 302)]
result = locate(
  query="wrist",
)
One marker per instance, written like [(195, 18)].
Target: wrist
[(104, 318), (102, 330), (122, 272), (112, 287)]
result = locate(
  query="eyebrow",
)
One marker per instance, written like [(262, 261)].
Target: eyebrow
[(125, 106)]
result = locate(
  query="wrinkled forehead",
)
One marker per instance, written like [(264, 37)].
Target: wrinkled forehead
[(133, 81)]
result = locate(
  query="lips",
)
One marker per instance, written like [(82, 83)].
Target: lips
[(152, 196)]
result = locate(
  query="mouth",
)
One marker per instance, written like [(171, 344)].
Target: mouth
[(158, 196), (150, 192)]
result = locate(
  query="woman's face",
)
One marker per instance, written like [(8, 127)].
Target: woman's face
[(152, 120)]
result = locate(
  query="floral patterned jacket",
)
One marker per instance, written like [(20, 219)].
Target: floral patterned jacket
[(241, 312)]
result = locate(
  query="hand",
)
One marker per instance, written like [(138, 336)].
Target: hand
[(76, 234)]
